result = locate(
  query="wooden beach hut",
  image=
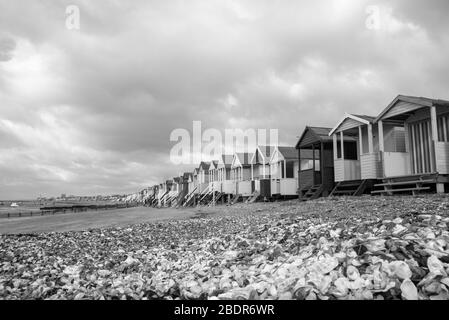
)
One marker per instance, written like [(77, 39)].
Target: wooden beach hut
[(167, 193), (260, 171), (203, 177), (213, 177), (227, 184), (192, 189), (162, 193), (316, 159), (284, 167), (420, 162), (357, 164), (183, 188), (241, 174)]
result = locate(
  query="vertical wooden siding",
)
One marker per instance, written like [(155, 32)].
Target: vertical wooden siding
[(421, 146)]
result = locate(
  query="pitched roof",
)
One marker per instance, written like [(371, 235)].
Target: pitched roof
[(213, 164), (187, 175), (244, 158), (204, 165), (321, 134), (367, 118), (425, 102), (226, 160), (265, 151), (288, 152), (360, 118)]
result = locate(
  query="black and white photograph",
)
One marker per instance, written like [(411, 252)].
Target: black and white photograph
[(210, 152)]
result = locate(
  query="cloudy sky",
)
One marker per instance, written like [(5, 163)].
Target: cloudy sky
[(90, 111)]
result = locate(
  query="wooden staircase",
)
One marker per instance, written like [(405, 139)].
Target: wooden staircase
[(311, 193), (189, 197), (410, 184), (235, 199), (205, 196), (350, 188), (253, 198), (214, 201)]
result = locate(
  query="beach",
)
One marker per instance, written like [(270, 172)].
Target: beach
[(334, 248)]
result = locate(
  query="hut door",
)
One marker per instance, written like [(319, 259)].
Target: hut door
[(420, 147)]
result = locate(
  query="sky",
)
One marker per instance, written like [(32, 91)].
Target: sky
[(90, 110)]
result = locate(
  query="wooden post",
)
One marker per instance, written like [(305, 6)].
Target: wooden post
[(285, 169), (321, 163), (334, 136), (381, 136), (370, 138), (434, 129), (264, 170), (342, 147), (313, 165), (299, 172), (360, 142)]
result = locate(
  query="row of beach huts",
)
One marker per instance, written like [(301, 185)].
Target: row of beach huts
[(404, 149)]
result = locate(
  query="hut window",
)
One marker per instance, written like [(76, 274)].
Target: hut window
[(308, 165), (399, 138), (350, 150), (282, 169), (289, 170)]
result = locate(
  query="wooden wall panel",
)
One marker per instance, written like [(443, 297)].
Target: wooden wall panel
[(442, 157), (371, 166)]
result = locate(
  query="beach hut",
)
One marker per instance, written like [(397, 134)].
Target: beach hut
[(203, 178), (260, 171), (316, 163), (213, 176), (162, 192), (155, 196), (181, 189), (414, 145), (192, 187), (190, 182), (284, 167), (357, 164), (241, 174), (172, 192), (227, 184), (195, 180)]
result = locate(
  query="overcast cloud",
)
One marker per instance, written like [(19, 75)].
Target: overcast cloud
[(90, 111)]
